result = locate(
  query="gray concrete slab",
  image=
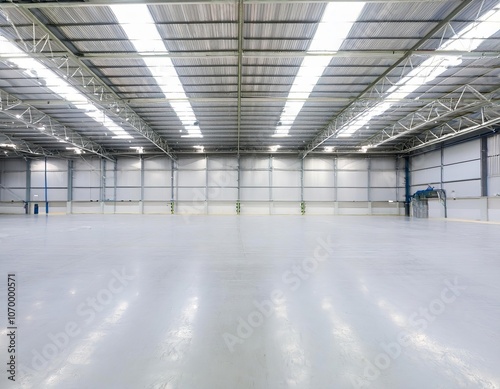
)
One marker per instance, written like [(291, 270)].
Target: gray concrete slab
[(131, 301)]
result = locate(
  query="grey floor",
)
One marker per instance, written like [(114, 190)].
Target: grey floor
[(213, 302)]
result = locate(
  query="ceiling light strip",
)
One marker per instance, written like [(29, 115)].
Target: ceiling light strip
[(469, 38), (140, 28), (336, 22), (48, 79)]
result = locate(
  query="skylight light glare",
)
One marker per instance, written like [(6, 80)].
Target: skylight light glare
[(336, 22), (49, 79), (469, 38), (8, 145), (475, 33), (138, 24), (140, 27)]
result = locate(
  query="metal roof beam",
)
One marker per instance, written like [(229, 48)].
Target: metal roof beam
[(445, 109), (23, 148), (31, 117), (488, 117), (387, 54), (356, 107), (240, 66), (72, 67)]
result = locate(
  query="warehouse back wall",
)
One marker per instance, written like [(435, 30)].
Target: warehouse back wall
[(201, 184)]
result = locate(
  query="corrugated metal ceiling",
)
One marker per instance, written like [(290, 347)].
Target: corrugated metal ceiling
[(88, 45)]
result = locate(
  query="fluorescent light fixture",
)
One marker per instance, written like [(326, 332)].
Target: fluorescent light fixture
[(138, 24), (274, 148), (77, 150), (469, 38), (329, 149), (201, 149), (34, 69), (8, 145), (139, 149), (336, 22)]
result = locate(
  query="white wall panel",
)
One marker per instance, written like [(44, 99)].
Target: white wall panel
[(13, 194), (286, 178), (319, 194), (126, 194), (352, 163), (192, 163), (59, 194), (319, 178), (157, 194), (13, 179), (191, 178), (254, 178), (427, 160), (52, 165), (222, 194), (86, 194), (286, 194), (128, 178), (54, 179), (352, 194), (463, 189), (494, 186), (462, 152), (86, 178), (427, 176), (195, 195), (254, 194), (286, 163), (318, 163), (109, 193), (157, 164), (157, 178), (383, 194), (222, 163), (352, 179), (223, 178), (383, 179), (383, 164), (128, 164), (462, 171), (87, 164), (14, 164), (258, 162)]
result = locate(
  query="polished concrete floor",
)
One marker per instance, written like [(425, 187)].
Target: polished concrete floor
[(209, 302)]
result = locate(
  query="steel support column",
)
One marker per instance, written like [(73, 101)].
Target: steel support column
[(484, 166), (141, 199), (69, 205), (46, 191), (407, 186), (28, 184)]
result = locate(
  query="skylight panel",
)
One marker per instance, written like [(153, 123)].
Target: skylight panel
[(47, 78), (335, 24), (469, 38), (138, 24)]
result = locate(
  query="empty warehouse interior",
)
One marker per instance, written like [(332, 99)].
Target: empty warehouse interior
[(218, 194)]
